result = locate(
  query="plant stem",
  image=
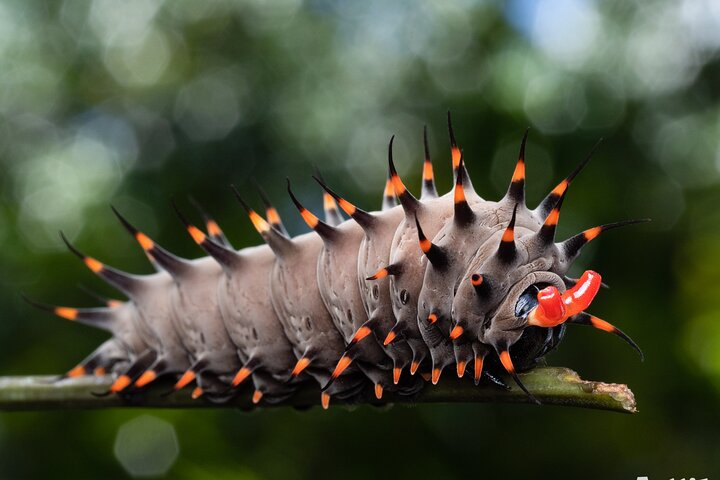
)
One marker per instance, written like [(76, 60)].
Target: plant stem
[(552, 386)]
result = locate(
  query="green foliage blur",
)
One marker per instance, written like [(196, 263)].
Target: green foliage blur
[(137, 102)]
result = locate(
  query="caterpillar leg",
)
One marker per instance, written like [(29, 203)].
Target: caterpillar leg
[(213, 388), (244, 373), (190, 374), (107, 358), (126, 379), (156, 370), (464, 356), (273, 391), (507, 363)]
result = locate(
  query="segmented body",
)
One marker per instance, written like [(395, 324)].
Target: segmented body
[(373, 300)]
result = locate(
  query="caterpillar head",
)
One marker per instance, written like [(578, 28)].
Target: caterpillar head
[(518, 297)]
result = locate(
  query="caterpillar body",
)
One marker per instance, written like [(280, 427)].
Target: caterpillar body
[(386, 299)]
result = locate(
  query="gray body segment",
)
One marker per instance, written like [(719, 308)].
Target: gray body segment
[(156, 322), (197, 313), (337, 281), (309, 327), (405, 287), (459, 244), (124, 329), (374, 254), (254, 328)]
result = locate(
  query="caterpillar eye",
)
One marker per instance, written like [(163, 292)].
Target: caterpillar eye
[(375, 292), (404, 297)]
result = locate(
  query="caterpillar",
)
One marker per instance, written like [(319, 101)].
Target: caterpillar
[(385, 299)]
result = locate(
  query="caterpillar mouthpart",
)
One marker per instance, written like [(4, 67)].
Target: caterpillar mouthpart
[(554, 308)]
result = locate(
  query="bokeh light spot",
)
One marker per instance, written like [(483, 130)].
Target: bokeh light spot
[(146, 446)]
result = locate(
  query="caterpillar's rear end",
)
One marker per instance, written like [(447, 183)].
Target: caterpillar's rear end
[(386, 300)]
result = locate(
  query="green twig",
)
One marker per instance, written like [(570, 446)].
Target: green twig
[(552, 386)]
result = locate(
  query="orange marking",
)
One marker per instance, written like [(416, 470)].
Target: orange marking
[(459, 193), (196, 234), (325, 400), (509, 235), (213, 228), (93, 264), (196, 393), (592, 233), (328, 202), (144, 241), (552, 219), (378, 391), (601, 324), (342, 365), (461, 368), (507, 362), (361, 334), (398, 185), (114, 303), (347, 207), (257, 396), (455, 152), (478, 368), (427, 171), (425, 245), (476, 280), (147, 377), (435, 375), (432, 318), (301, 365), (389, 189), (425, 376), (414, 367), (258, 222), (456, 332), (273, 216), (391, 336), (382, 273), (78, 371), (519, 174), (120, 384), (241, 376), (560, 188), (397, 371), (99, 372), (186, 378), (66, 313), (311, 220)]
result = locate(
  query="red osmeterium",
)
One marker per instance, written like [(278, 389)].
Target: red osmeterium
[(554, 308)]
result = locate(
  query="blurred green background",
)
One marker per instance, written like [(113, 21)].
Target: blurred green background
[(133, 103)]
